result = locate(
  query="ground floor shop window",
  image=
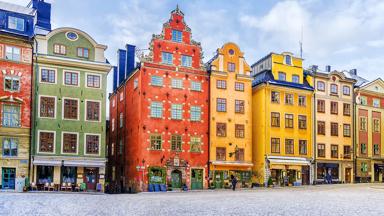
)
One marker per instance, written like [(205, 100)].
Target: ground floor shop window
[(327, 172), (44, 174), (69, 174), (156, 175)]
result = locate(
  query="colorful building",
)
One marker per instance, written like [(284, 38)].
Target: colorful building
[(230, 117), (282, 120), (159, 113), (68, 141), (334, 126), (16, 32), (369, 124)]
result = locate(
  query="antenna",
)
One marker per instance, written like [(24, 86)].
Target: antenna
[(301, 42)]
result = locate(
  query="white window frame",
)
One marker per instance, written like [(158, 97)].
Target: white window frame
[(12, 77), (85, 143), (62, 142), (40, 75), (54, 142), (13, 48), (175, 83), (16, 19), (194, 83), (40, 103), (93, 74), (85, 107), (78, 78), (62, 108)]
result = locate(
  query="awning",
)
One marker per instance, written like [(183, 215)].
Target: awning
[(84, 163), (288, 160), (46, 162), (232, 163)]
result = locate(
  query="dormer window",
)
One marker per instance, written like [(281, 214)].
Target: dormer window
[(16, 23), (288, 59), (59, 49), (82, 52), (177, 36)]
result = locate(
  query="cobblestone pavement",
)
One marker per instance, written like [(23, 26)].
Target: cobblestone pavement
[(358, 199)]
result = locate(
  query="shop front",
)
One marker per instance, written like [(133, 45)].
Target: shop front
[(221, 172), (378, 169), (327, 173), (363, 170)]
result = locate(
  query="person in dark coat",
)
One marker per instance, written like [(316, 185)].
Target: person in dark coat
[(234, 182)]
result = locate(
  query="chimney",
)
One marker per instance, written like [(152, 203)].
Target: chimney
[(115, 75), (328, 68), (314, 68), (130, 59), (121, 60), (43, 14), (353, 72)]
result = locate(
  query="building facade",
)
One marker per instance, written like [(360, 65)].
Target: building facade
[(159, 113), (16, 33), (282, 121), (230, 118), (334, 127), (68, 141), (369, 118)]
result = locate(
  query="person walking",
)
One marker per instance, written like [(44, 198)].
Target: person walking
[(234, 182)]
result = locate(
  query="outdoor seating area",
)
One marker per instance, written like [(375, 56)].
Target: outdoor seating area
[(157, 188), (64, 187)]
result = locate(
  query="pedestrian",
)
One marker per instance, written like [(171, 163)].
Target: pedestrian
[(234, 182)]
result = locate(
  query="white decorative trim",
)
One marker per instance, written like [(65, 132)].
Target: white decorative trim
[(62, 142), (39, 103), (47, 68), (62, 108), (85, 143), (78, 78), (93, 74), (38, 141), (85, 111)]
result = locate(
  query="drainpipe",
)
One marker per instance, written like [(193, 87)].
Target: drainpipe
[(315, 129), (209, 130), (34, 106), (354, 157), (30, 119)]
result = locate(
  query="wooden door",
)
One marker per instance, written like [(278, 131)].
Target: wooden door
[(90, 178), (348, 175), (176, 179), (8, 178), (197, 179)]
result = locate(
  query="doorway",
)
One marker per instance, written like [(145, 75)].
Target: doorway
[(305, 175), (8, 178), (176, 179), (197, 179), (90, 178), (348, 172)]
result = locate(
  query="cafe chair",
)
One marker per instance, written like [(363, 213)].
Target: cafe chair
[(63, 186), (46, 186), (33, 186)]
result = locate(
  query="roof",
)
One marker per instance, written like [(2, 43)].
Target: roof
[(17, 8), (359, 80)]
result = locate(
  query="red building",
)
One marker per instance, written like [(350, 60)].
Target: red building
[(159, 113)]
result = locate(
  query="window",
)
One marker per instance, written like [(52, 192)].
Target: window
[(275, 97), (221, 84), (334, 129), (295, 79), (121, 120), (121, 147), (12, 53), (376, 149), (275, 119), (177, 36), (334, 107), (302, 122), (320, 86), (47, 107), (195, 113), (16, 23), (321, 127), (92, 144), (288, 59), (221, 105), (70, 143), (93, 81), (321, 106), (195, 144), (289, 99), (135, 83), (275, 145), (71, 78), (334, 89), (195, 86), (239, 86), (93, 111), (239, 154), (46, 142), (82, 52), (10, 147), (376, 125), (48, 76), (289, 146), (177, 111), (11, 83), (289, 120), (346, 90), (11, 116), (346, 109), (176, 143), (302, 100), (231, 67), (239, 131), (363, 148), (156, 141), (347, 130), (347, 152), (239, 106), (303, 147), (186, 61), (321, 150), (113, 124), (59, 49), (156, 109), (167, 58), (70, 109), (220, 153), (282, 76), (156, 80), (334, 151), (376, 103), (221, 129), (363, 100), (363, 123), (364, 167), (177, 83)]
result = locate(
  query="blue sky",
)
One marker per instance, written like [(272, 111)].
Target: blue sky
[(343, 33)]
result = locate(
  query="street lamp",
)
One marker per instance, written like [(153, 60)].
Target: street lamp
[(142, 169)]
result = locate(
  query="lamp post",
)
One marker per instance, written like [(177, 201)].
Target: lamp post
[(142, 169)]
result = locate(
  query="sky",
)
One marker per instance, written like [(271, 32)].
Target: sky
[(345, 34)]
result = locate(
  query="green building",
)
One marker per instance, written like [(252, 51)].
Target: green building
[(68, 141)]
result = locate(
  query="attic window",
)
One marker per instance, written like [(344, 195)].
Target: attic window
[(231, 52), (288, 59), (177, 21), (16, 23), (72, 36)]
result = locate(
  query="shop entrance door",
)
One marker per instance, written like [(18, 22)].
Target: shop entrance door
[(176, 179), (8, 178), (219, 179), (90, 178), (348, 175), (305, 175), (197, 179)]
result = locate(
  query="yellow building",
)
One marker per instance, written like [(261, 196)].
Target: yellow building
[(334, 126), (282, 121), (230, 117)]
